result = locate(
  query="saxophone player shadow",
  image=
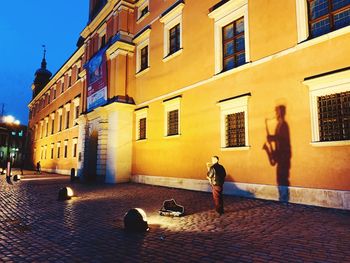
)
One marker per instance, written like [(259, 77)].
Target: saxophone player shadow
[(279, 153)]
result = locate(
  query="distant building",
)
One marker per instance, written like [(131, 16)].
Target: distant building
[(12, 144), (157, 87)]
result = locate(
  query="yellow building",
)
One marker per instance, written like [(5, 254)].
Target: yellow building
[(264, 85)]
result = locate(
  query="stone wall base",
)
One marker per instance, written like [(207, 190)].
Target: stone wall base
[(298, 195), (56, 171)]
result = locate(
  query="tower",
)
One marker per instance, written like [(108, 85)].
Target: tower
[(42, 76)]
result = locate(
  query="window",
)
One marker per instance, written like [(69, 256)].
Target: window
[(142, 10), (144, 58), (142, 50), (327, 15), (54, 93), (174, 39), (75, 147), (172, 20), (330, 108), (67, 109), (334, 116), (233, 44), (65, 148), (41, 129), (59, 111), (141, 123), (76, 111), (52, 149), (62, 86), (67, 119), (58, 149), (52, 123), (319, 17), (45, 150), (235, 130), (47, 126), (173, 122), (102, 41), (234, 122), (172, 116), (76, 103), (231, 35), (142, 128)]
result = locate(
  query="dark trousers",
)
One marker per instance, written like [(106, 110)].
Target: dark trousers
[(218, 200)]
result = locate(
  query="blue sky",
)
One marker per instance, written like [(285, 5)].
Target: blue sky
[(25, 25)]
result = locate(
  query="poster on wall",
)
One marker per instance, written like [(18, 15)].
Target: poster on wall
[(96, 80)]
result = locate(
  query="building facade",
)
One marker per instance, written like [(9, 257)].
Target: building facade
[(164, 85)]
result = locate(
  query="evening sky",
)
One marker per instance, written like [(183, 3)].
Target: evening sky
[(26, 25)]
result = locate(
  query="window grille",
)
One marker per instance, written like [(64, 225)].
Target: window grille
[(235, 130), (173, 122), (334, 116), (142, 129)]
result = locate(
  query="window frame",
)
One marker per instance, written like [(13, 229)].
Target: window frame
[(231, 106), (171, 105), (170, 20), (141, 5), (321, 86), (224, 15), (141, 42), (140, 114), (302, 13)]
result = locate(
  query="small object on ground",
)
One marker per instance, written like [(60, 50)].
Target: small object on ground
[(16, 177), (135, 220), (65, 193), (171, 208)]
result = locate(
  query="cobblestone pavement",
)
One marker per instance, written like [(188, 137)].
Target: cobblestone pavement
[(35, 227)]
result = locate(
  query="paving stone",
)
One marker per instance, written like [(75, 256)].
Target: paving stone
[(35, 227)]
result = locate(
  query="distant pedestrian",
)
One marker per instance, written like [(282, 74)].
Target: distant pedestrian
[(216, 176), (38, 167)]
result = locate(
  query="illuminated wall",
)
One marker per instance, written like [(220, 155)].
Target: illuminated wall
[(178, 93)]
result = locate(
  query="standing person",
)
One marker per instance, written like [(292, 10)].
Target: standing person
[(216, 176), (38, 167)]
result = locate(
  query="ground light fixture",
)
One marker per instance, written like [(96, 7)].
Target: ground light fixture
[(135, 220), (65, 193), (16, 177)]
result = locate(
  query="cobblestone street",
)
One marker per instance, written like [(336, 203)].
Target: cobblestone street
[(35, 227)]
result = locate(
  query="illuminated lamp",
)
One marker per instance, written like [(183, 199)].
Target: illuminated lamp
[(16, 177), (65, 193), (135, 220)]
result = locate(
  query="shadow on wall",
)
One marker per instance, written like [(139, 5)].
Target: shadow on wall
[(278, 151), (232, 189)]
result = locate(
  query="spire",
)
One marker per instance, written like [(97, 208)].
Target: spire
[(43, 62)]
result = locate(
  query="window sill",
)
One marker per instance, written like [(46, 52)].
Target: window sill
[(232, 71), (333, 143), (172, 55), (141, 72), (138, 21), (323, 38), (240, 148), (172, 136), (141, 140)]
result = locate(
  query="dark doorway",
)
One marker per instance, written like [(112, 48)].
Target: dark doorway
[(91, 160)]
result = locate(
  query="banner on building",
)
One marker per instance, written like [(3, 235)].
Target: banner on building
[(96, 80)]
